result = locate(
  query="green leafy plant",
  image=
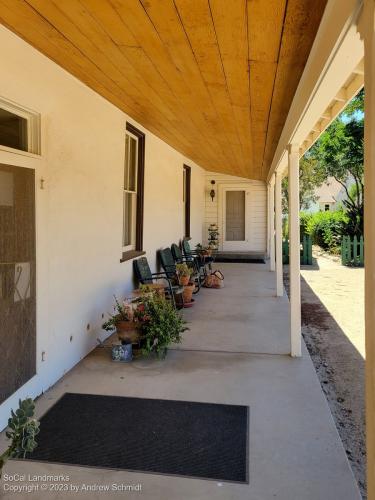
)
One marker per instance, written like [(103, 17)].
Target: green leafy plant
[(183, 270), (304, 218), (123, 313), (213, 235), (202, 249), (327, 228), (161, 324), (22, 433)]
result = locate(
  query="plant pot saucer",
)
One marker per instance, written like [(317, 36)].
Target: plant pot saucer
[(189, 304)]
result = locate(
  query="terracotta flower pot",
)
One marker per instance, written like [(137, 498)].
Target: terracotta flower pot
[(188, 293), (127, 331), (184, 280)]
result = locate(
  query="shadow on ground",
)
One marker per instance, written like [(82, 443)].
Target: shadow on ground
[(340, 368)]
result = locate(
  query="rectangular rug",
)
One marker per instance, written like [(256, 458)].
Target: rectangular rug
[(240, 260), (202, 440)]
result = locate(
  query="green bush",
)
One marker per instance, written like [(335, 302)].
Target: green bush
[(285, 227), (162, 325), (304, 220), (327, 228)]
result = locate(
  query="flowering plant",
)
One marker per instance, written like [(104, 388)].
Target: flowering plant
[(123, 312)]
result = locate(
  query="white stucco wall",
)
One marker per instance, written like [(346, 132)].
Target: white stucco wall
[(256, 209), (79, 211)]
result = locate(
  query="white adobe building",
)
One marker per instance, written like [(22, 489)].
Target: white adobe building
[(95, 94)]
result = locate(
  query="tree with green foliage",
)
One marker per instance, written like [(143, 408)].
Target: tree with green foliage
[(309, 179), (356, 106), (339, 154)]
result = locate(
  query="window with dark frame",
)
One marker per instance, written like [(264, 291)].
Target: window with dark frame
[(133, 193), (13, 130), (187, 199)]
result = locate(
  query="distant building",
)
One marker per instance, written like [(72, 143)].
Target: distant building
[(329, 196)]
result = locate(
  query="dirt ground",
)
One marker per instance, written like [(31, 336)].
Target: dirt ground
[(333, 329)]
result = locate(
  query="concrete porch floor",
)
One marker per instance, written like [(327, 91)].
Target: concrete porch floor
[(295, 451)]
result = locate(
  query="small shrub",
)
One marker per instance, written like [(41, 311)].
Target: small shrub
[(304, 220), (327, 228), (23, 429), (162, 325), (285, 227)]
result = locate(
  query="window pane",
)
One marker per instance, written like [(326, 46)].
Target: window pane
[(184, 186), (132, 164), (126, 167), (128, 218), (13, 130)]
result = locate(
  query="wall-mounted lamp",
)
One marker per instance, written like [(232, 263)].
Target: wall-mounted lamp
[(212, 192)]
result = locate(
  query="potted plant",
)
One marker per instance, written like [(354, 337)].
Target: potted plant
[(160, 323), (188, 294), (123, 321), (183, 272), (150, 288), (23, 429), (203, 251), (213, 237)]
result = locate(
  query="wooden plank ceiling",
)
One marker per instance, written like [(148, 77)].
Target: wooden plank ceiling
[(212, 78)]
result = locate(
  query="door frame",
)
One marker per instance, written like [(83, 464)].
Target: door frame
[(233, 246)]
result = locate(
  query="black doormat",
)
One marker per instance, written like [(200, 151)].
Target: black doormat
[(201, 440), (245, 260)]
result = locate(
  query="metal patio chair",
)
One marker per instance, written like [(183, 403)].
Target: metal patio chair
[(145, 276), (201, 261), (179, 258), (168, 263)]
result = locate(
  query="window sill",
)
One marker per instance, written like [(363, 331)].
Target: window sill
[(131, 254)]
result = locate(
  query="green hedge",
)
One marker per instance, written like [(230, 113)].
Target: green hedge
[(325, 228)]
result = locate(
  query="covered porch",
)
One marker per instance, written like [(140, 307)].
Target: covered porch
[(209, 100), (235, 353)]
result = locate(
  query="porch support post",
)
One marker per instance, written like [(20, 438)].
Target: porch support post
[(271, 218), (268, 220), (294, 251), (279, 236), (367, 31)]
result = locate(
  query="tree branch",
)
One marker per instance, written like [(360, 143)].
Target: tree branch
[(352, 202)]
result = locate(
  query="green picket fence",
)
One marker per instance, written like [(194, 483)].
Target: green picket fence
[(306, 251), (352, 251)]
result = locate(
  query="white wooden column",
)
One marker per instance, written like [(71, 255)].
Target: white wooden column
[(294, 250), (367, 30), (268, 220), (279, 236), (271, 218)]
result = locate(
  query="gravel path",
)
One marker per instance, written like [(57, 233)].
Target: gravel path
[(333, 329)]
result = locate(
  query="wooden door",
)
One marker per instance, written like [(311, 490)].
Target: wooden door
[(235, 216)]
